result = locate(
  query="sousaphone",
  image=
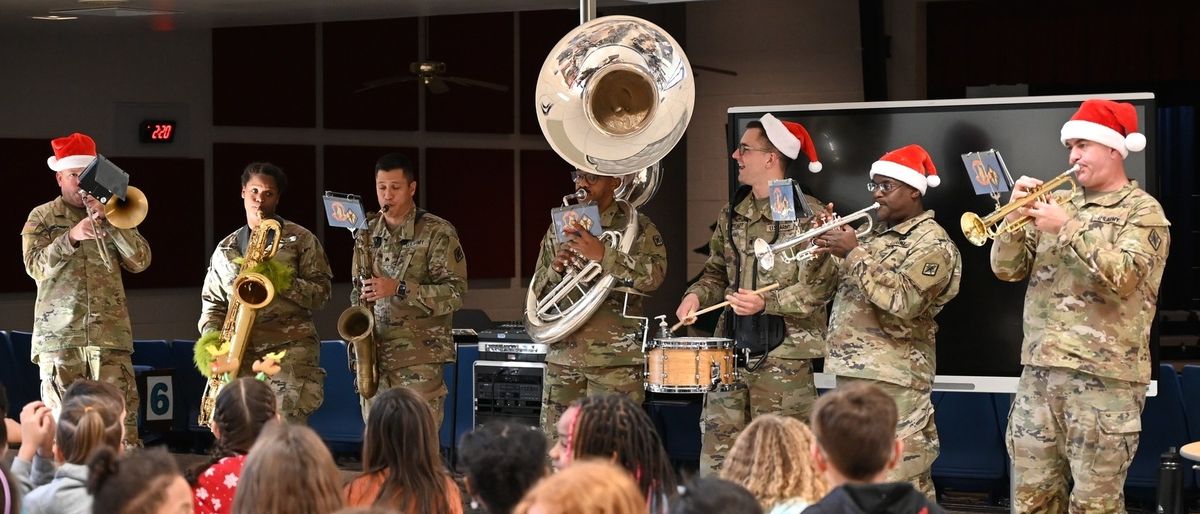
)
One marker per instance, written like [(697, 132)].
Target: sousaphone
[(613, 98)]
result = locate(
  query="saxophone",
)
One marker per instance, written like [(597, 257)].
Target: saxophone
[(357, 323), (251, 291)]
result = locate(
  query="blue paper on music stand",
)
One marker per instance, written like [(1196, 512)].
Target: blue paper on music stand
[(344, 210), (987, 172)]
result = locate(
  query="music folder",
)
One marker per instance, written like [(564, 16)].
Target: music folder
[(103, 180), (344, 210)]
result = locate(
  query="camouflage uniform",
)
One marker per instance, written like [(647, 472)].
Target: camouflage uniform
[(1091, 299), (882, 328), (784, 384), (285, 323), (80, 321), (412, 335), (604, 355)]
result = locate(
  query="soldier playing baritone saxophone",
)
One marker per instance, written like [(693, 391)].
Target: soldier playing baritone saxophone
[(418, 279), (286, 323)]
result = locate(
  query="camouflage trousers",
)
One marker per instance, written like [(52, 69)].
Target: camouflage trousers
[(300, 384), (60, 368), (781, 386), (1070, 426), (916, 429), (427, 380), (566, 384)]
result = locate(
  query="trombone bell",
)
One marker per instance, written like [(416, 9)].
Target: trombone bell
[(127, 213)]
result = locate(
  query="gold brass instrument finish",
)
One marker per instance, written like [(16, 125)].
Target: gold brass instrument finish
[(765, 252), (357, 323), (251, 291), (979, 230), (122, 214)]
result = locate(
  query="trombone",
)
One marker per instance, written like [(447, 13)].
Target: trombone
[(765, 252), (979, 230), (121, 213)]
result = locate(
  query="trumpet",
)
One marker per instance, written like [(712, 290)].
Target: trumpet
[(765, 252), (979, 230)]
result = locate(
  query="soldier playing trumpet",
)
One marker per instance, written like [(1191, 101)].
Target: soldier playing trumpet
[(286, 322), (417, 279), (1094, 260), (892, 284)]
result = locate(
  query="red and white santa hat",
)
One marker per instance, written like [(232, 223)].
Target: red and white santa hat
[(790, 138), (910, 165), (1112, 124), (73, 151)]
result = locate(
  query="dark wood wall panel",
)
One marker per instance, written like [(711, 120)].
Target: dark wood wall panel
[(473, 189), (174, 225), (479, 47), (265, 76), (540, 31), (981, 43), (358, 52), (351, 169), (298, 204), (31, 183), (545, 179)]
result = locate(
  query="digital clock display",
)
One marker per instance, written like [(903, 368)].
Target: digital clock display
[(157, 131)]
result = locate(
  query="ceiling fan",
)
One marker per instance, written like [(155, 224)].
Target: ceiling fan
[(431, 75)]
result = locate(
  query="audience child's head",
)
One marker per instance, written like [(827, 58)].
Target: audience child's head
[(402, 440), (92, 417), (855, 430), (288, 470), (242, 409), (772, 458), (586, 487), (145, 482), (502, 460), (712, 495), (614, 427)]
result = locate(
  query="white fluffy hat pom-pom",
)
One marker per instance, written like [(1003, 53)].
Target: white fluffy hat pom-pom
[(933, 180), (1135, 142), (815, 166)]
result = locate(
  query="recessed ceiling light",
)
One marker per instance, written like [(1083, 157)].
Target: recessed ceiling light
[(112, 11), (54, 17)]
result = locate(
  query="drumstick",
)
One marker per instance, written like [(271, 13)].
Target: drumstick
[(693, 315)]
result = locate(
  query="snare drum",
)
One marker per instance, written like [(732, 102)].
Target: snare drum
[(690, 365)]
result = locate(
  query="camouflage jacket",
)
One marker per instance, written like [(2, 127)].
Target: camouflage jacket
[(607, 338), (803, 293), (1093, 286), (892, 286), (428, 257), (288, 317), (79, 302)]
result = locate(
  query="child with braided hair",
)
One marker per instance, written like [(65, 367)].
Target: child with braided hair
[(144, 482), (613, 427), (243, 407), (771, 459)]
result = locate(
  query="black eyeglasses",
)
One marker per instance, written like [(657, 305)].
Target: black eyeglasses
[(886, 187), (743, 148), (587, 178)]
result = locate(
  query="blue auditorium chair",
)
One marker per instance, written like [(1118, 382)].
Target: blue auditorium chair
[(1164, 425), (449, 411), (1189, 381), (189, 388), (971, 431), (8, 375), (155, 353), (339, 420), (25, 373), (464, 415)]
